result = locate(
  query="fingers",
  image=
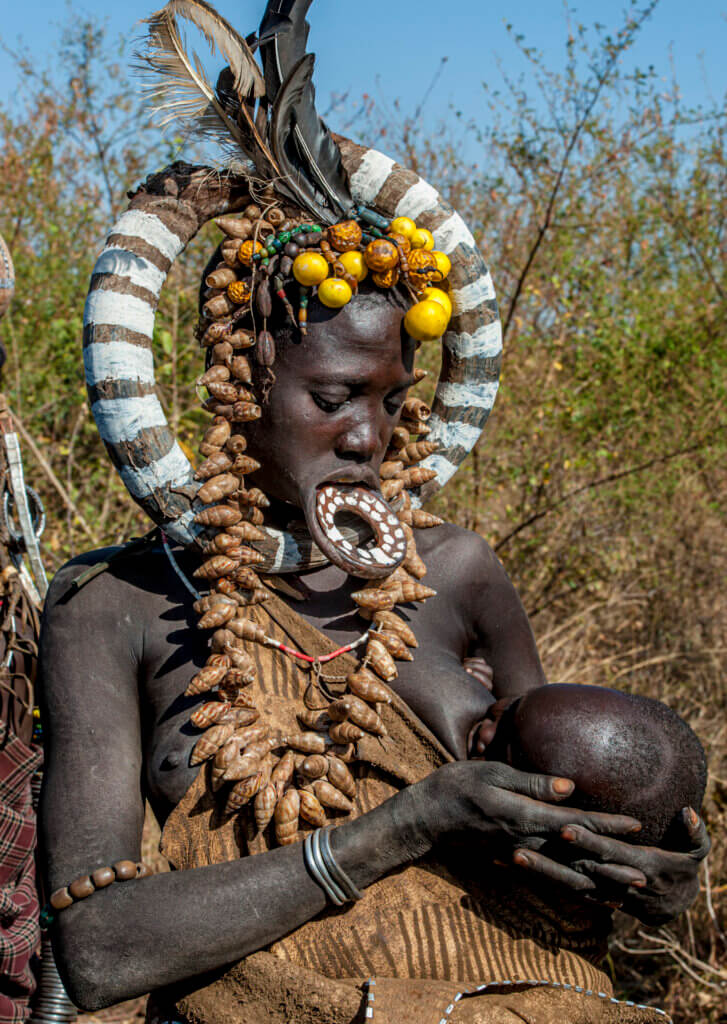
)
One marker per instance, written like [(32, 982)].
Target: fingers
[(699, 841), (551, 869), (479, 668), (621, 874), (549, 788), (603, 846)]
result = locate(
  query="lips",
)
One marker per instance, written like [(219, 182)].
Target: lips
[(355, 492)]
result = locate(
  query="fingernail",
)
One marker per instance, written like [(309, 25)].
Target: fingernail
[(639, 883), (568, 834), (693, 817), (563, 786), (521, 859), (635, 828)]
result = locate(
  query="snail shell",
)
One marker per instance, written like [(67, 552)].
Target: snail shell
[(399, 438), (329, 796), (254, 497), (364, 684), (241, 340), (214, 375), (345, 732), (247, 532), (360, 714), (245, 412), (340, 776), (209, 713), (246, 577), (242, 766), (390, 469), (241, 369), (423, 520), (416, 475), (240, 698), (311, 809), (223, 391), (412, 591), (416, 409), (217, 307), (391, 488), (206, 679), (253, 515), (236, 444), (381, 661), (418, 450), (210, 743), (235, 227), (242, 792), (217, 488), (314, 767), (245, 629), (221, 277), (394, 645), (374, 599), (391, 622), (418, 427), (308, 742), (210, 600), (250, 734), (218, 565), (214, 333), (244, 464), (217, 434), (240, 659), (246, 716), (318, 720), (219, 515), (220, 639), (286, 817), (264, 806), (253, 597), (217, 616), (283, 772)]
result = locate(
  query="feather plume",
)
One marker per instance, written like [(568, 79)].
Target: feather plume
[(283, 37), (182, 91), (304, 148)]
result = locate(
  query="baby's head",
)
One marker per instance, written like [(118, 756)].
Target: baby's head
[(626, 754)]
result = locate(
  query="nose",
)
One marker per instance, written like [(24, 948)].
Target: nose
[(360, 442)]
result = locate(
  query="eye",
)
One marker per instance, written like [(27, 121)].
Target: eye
[(394, 401), (325, 404)]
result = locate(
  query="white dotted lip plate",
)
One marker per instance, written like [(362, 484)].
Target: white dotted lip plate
[(390, 544)]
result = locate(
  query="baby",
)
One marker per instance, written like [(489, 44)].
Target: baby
[(625, 754)]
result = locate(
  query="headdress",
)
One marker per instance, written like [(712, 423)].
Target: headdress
[(318, 212)]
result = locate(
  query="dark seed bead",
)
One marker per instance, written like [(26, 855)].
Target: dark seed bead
[(125, 869), (61, 898), (81, 888), (292, 250), (103, 877)]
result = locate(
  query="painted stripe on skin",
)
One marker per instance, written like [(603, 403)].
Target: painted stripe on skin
[(184, 530), (136, 269), (118, 360), (480, 395), (367, 179), (172, 468), (452, 233), (416, 200), (150, 229), (103, 307), (452, 435), (465, 299), (486, 341), (123, 419)]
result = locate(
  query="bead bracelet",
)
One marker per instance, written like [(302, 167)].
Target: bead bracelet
[(86, 885)]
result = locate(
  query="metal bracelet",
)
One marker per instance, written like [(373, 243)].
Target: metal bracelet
[(336, 871), (318, 871)]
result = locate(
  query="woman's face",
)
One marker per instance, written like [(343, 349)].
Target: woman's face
[(336, 399)]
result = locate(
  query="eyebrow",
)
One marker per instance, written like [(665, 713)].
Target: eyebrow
[(355, 382)]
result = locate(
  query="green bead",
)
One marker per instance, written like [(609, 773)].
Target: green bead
[(297, 231), (47, 917), (317, 229), (284, 237), (271, 250)]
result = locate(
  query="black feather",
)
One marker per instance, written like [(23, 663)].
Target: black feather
[(304, 148), (285, 25)]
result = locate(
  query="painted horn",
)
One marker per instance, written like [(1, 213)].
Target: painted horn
[(163, 217), (7, 278)]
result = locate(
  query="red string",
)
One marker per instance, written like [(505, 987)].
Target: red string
[(306, 657)]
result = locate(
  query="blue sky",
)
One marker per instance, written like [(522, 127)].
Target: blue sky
[(402, 41)]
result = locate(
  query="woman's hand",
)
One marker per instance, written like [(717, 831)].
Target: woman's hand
[(510, 811), (651, 884)]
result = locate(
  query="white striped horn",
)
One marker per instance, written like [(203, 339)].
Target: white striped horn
[(163, 217)]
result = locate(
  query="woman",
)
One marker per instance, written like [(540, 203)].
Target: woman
[(300, 625)]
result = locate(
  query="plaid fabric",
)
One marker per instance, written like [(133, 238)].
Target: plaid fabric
[(19, 930)]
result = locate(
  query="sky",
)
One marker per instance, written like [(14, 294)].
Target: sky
[(392, 48)]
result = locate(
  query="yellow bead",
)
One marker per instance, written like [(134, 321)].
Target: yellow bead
[(334, 292), (437, 295), (444, 264), (354, 264), (310, 268), (402, 226), (422, 239), (426, 321)]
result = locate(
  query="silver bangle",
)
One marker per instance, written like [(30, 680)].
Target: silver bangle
[(336, 871), (318, 871)]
